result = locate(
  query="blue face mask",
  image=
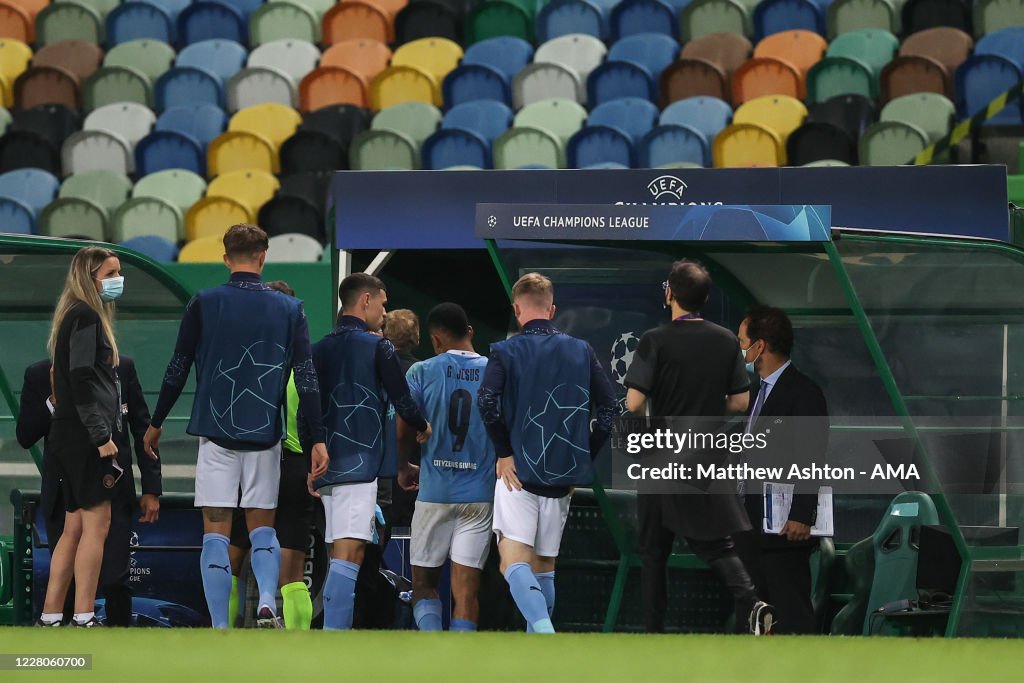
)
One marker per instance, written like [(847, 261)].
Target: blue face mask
[(112, 288), (749, 364)]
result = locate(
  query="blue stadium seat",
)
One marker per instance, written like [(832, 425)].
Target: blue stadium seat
[(505, 54), (672, 143), (631, 115), (209, 19), (643, 16), (225, 58), (980, 80), (564, 17), (156, 248), (707, 115), (613, 80), (599, 145), (137, 20), (185, 85), (776, 16), (245, 7), (165, 149), (174, 8), (653, 51), (455, 147), (33, 187), (606, 165), (486, 118), (1006, 42), (16, 217), (201, 122), (472, 82)]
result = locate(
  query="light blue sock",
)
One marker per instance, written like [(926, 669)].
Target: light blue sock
[(529, 597), (463, 625), (546, 581), (215, 567), (266, 563), (340, 595), (427, 614)]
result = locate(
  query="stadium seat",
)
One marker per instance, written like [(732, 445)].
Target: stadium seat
[(416, 120), (561, 18), (497, 18), (102, 8), (222, 58), (281, 21), (260, 85), (643, 16), (236, 151), (176, 186), (113, 84), (891, 143), (850, 15), (54, 122), (74, 217), (355, 20), (129, 120), (17, 218), (211, 20), (918, 15), (487, 119), (166, 149), (207, 250), (174, 8), (273, 122), (840, 76), (427, 19), (312, 187), (212, 216), (851, 113), (201, 122), (707, 115), (778, 113), (362, 56), (652, 51), (143, 216), (332, 85), (980, 80), (151, 57), (873, 47), (25, 149), (342, 122), (801, 49), (560, 117), (519, 147), (455, 147), (15, 23), (312, 151), (294, 57), (1006, 42), (506, 54), (541, 81), (249, 187), (139, 20), (911, 74), (932, 113), (185, 86), (398, 84), (436, 56), (5, 120), (612, 80), (47, 85), (762, 76), (777, 16), (156, 248), (68, 21), (33, 188), (284, 215), (599, 145), (14, 58), (673, 144), (994, 15), (632, 116), (703, 17), (692, 78), (107, 189), (578, 52), (247, 7), (93, 150), (472, 82), (727, 51), (381, 150), (747, 144), (76, 56), (816, 141), (950, 47), (295, 247)]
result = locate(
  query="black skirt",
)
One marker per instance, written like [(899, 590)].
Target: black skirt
[(88, 479)]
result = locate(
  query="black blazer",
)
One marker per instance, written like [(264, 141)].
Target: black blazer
[(794, 395), (34, 424)]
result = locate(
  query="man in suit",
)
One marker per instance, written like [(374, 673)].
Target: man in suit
[(780, 563), (37, 405)]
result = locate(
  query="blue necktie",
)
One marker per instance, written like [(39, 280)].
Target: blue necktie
[(741, 485)]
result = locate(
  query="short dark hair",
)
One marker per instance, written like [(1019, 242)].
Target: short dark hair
[(281, 286), (690, 284), (772, 326), (354, 285), (245, 241), (449, 318)]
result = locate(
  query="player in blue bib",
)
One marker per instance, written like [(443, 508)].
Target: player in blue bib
[(454, 510)]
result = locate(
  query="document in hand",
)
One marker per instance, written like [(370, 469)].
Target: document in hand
[(778, 498)]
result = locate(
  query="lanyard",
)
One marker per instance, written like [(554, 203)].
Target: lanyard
[(688, 316)]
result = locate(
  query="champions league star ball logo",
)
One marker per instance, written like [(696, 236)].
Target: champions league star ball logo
[(623, 349)]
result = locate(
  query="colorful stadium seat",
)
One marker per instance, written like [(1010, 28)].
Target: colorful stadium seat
[(15, 23), (747, 144), (561, 18), (249, 187), (599, 145), (174, 8), (455, 147), (5, 120), (93, 150), (981, 79), (487, 119), (130, 121), (201, 122), (343, 122), (766, 76), (398, 84), (727, 51), (612, 80), (436, 56), (146, 216), (295, 247), (801, 49), (703, 17), (632, 116), (244, 7), (427, 19), (112, 84), (851, 113), (541, 81), (653, 51), (473, 82), (54, 122), (103, 8), (274, 122), (950, 47), (673, 144), (68, 21), (777, 16), (106, 189), (285, 214), (236, 151), (691, 78), (25, 149), (381, 150), (560, 117), (176, 186), (1006, 42), (332, 85), (32, 187), (75, 217), (643, 16), (911, 74), (168, 149), (211, 20), (139, 20), (417, 120), (506, 54), (816, 141), (260, 85), (156, 248), (519, 147), (283, 20), (292, 56), (363, 56), (840, 76), (778, 113), (354, 20), (918, 15), (223, 58), (874, 47), (211, 216), (151, 57), (850, 15), (497, 18), (188, 86), (47, 85), (17, 218), (206, 250), (77, 56), (579, 52), (707, 115), (14, 58), (891, 143), (993, 15), (932, 113)]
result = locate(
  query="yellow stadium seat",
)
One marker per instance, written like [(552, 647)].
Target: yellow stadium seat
[(249, 187), (273, 121), (398, 84), (205, 250), (236, 150), (212, 216), (436, 56), (14, 58), (747, 144), (779, 113), (6, 96)]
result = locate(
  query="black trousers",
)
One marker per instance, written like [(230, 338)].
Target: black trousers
[(655, 546), (783, 578)]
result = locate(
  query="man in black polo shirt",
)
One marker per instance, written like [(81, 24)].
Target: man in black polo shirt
[(691, 367)]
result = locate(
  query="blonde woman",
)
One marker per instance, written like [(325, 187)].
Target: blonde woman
[(84, 352)]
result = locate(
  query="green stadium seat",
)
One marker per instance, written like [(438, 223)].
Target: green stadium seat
[(282, 20), (851, 15), (5, 120), (521, 146), (992, 15), (1015, 189), (106, 189), (560, 117), (69, 21), (417, 120), (152, 57), (542, 81), (318, 7), (74, 217), (704, 17), (874, 47), (860, 568), (383, 150), (113, 84), (177, 186), (891, 143), (147, 216), (931, 112), (840, 76), (498, 18), (822, 560), (101, 7)]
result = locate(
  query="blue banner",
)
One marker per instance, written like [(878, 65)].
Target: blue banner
[(800, 223), (437, 209)]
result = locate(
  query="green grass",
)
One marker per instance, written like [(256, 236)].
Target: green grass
[(197, 656)]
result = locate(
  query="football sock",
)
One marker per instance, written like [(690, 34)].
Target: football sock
[(266, 564), (233, 602), (427, 614), (529, 597), (546, 581), (298, 607), (464, 625), (215, 566), (82, 617), (51, 617), (340, 595)]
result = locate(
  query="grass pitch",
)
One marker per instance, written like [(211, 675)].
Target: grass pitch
[(197, 656)]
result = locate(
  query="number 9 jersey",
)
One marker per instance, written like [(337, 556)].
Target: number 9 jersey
[(457, 462)]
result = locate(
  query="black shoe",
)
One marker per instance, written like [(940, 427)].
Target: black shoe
[(48, 624), (266, 618), (762, 619), (92, 623)]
